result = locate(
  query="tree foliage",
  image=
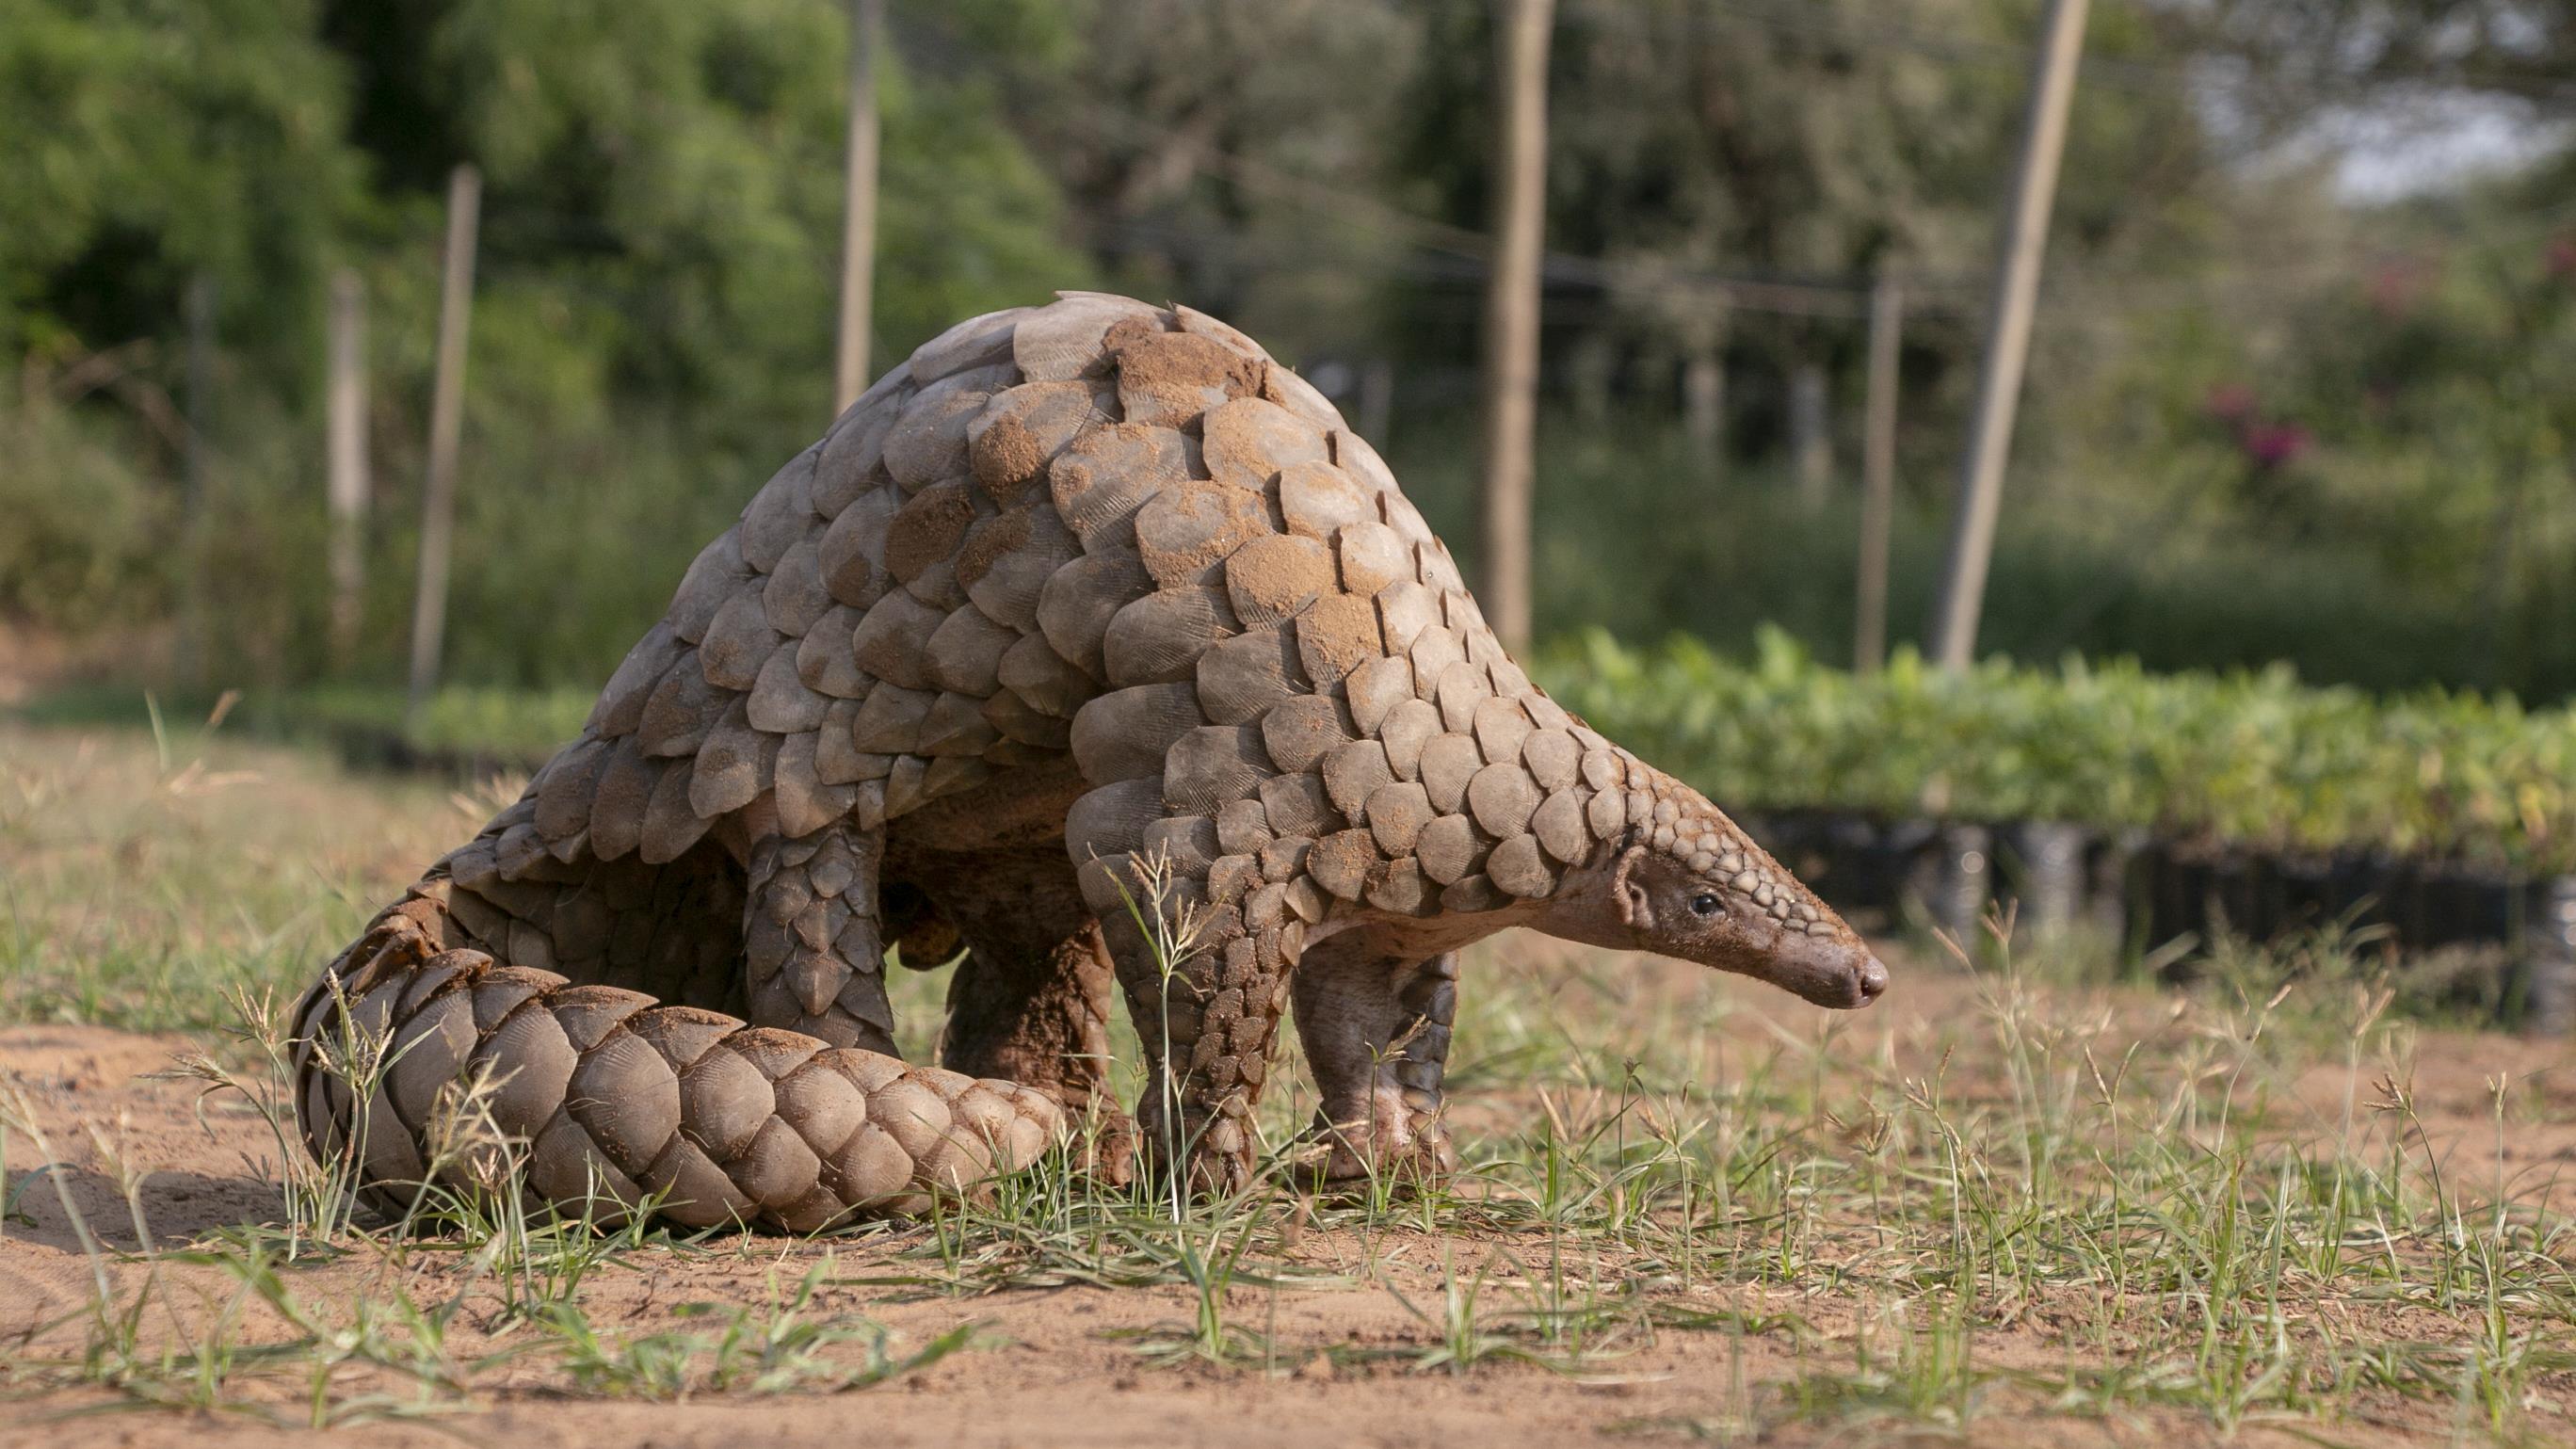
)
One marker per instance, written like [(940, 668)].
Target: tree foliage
[(656, 289), (153, 139), (2234, 360)]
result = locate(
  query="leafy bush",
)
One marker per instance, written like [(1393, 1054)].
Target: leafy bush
[(2247, 757), (87, 534)]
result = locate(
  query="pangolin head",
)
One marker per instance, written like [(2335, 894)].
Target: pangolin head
[(1682, 880)]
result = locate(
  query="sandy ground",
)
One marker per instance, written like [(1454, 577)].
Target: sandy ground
[(1061, 1366)]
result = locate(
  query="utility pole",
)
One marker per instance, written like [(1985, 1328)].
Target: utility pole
[(346, 406), (859, 207), (446, 430), (200, 310), (1703, 335), (1511, 308), (1878, 477), (2025, 239), (1377, 400), (1811, 445)]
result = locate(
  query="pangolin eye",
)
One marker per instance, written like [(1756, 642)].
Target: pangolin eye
[(1708, 905)]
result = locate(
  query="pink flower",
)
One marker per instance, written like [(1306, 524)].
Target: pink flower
[(2562, 255), (2275, 445), (2393, 286)]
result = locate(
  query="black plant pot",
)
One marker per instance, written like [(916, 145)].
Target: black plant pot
[(2549, 957), (2116, 886), (1952, 879), (2045, 872)]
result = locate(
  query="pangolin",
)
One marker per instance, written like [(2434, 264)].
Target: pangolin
[(1090, 637)]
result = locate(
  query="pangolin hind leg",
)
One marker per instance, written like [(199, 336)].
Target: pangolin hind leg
[(1376, 1033), (814, 944), (923, 940), (1031, 1001)]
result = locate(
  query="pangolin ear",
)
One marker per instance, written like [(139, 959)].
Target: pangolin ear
[(1636, 911)]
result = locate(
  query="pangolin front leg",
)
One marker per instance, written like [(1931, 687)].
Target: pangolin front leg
[(813, 935), (1376, 1033), (1207, 1016)]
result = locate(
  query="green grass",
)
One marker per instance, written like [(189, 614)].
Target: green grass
[(2275, 1202)]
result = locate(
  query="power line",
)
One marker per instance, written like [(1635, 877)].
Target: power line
[(1459, 254), (1838, 27), (1802, 295)]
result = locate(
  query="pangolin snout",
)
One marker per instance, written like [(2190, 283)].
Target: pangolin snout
[(1843, 974), (1870, 981)]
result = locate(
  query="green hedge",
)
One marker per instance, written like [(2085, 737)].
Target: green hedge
[(2250, 758), (505, 726), (462, 724)]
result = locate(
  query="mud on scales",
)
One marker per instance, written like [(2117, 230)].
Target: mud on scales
[(1076, 586)]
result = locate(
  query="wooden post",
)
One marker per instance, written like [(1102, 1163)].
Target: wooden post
[(446, 430), (346, 406), (1704, 314), (859, 207), (2025, 240), (191, 644), (1511, 309), (1377, 400), (1878, 478), (1704, 399), (1811, 444), (200, 305)]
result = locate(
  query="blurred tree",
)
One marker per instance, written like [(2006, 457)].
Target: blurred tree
[(662, 238), (669, 171), (656, 294), (2261, 409), (1236, 154), (2293, 55), (1815, 142), (153, 139)]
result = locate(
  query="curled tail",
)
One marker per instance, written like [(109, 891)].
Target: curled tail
[(611, 1098)]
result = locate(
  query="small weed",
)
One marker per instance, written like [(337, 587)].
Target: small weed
[(776, 1349)]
